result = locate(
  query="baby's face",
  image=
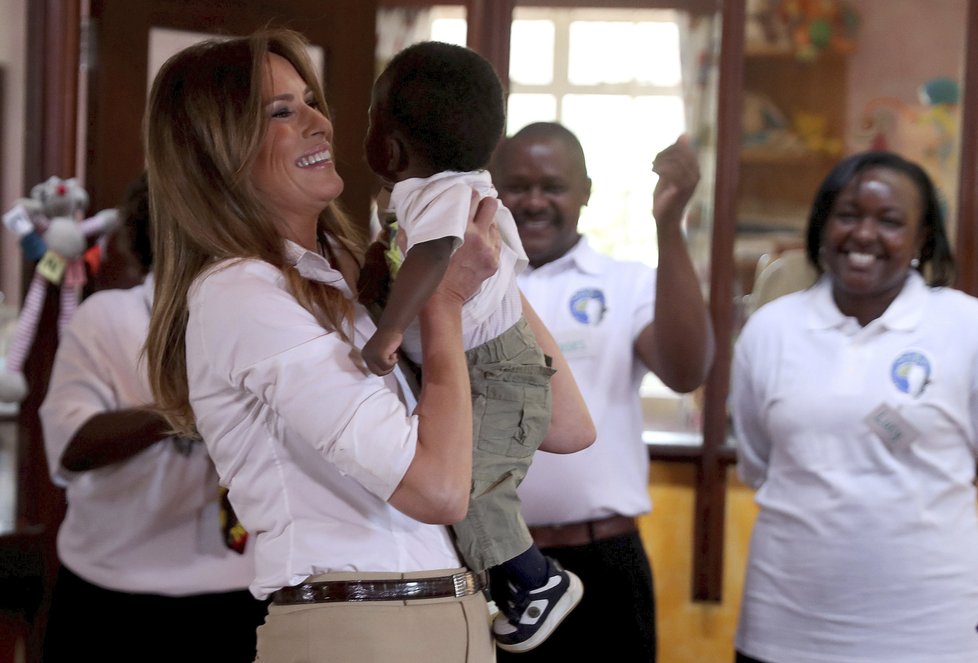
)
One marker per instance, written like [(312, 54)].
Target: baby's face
[(375, 145)]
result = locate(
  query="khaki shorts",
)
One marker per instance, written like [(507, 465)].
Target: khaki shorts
[(510, 379)]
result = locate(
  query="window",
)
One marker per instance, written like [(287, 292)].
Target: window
[(614, 77)]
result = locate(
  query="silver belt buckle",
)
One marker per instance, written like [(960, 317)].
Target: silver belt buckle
[(464, 584)]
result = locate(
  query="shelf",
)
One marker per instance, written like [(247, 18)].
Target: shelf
[(769, 51), (762, 156), (779, 214), (787, 51)]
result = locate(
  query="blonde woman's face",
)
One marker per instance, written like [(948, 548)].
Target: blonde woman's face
[(294, 169)]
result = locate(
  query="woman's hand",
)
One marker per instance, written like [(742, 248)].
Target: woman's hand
[(478, 257)]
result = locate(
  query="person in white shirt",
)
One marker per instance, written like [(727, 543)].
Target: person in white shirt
[(855, 408), (614, 321), (144, 565), (254, 345)]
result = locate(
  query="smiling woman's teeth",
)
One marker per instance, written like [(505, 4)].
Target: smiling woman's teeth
[(861, 259), (313, 159)]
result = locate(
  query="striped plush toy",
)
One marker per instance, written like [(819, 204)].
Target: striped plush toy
[(53, 234)]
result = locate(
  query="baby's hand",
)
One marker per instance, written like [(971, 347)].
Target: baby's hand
[(380, 352)]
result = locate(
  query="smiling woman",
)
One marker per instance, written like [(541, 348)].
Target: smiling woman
[(875, 217), (854, 403), (255, 348), (871, 240), (293, 169)]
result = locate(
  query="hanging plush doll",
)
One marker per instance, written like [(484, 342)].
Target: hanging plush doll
[(54, 234)]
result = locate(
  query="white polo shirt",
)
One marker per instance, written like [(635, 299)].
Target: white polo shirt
[(595, 307), (862, 444), (435, 207), (148, 524), (309, 443)]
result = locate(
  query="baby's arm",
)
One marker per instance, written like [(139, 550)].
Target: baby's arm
[(419, 275)]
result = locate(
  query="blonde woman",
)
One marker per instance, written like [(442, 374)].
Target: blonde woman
[(254, 346)]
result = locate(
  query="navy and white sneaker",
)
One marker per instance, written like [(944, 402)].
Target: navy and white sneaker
[(528, 617)]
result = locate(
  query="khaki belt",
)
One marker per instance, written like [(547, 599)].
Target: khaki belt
[(582, 533), (453, 586)]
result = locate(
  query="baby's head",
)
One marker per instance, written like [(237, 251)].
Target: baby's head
[(435, 107)]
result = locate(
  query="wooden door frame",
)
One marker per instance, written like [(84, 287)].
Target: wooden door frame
[(28, 556), (966, 249)]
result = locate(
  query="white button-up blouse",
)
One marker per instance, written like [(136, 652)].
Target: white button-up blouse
[(309, 443)]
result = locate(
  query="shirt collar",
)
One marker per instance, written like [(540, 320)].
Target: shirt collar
[(904, 313), (581, 256), (315, 267), (147, 286)]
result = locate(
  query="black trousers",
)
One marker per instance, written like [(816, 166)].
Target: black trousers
[(89, 623), (616, 618)]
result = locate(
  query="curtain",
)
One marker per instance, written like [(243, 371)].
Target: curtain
[(699, 45)]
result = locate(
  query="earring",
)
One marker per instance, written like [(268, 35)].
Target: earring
[(915, 262)]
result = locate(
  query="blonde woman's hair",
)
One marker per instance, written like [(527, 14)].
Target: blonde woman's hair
[(203, 127)]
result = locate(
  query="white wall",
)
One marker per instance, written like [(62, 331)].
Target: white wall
[(13, 47)]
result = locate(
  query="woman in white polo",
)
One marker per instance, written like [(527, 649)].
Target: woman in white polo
[(855, 405)]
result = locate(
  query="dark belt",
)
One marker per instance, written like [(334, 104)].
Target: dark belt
[(453, 586), (582, 533)]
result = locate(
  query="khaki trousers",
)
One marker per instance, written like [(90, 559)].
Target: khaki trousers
[(445, 630)]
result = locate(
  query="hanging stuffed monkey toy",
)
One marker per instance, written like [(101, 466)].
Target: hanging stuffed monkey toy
[(53, 234)]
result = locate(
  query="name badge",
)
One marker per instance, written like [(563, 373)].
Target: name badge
[(574, 345), (52, 267), (895, 431)]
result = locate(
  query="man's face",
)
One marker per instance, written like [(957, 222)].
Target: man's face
[(544, 185)]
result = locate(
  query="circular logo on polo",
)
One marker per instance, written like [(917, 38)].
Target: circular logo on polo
[(588, 306), (911, 372)]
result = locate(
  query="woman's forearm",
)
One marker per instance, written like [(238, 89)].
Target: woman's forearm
[(435, 489), (571, 428)]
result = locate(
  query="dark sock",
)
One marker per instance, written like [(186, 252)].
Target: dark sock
[(528, 570)]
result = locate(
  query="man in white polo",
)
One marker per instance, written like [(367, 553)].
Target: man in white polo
[(614, 321)]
